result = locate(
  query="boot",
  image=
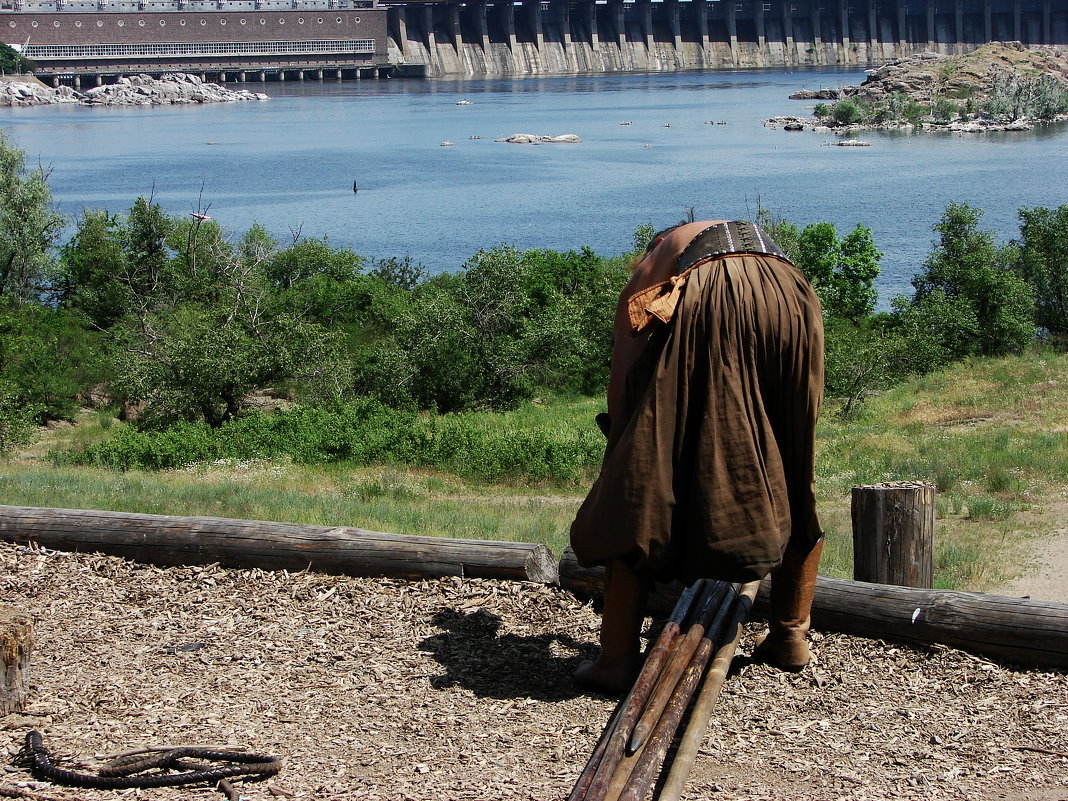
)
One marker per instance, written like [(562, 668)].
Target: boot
[(793, 584)]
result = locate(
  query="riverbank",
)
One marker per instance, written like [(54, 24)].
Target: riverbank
[(136, 90), (1001, 86)]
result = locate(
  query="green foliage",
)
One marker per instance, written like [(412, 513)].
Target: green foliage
[(843, 272), (1014, 96), (945, 110), (47, 360), (364, 432), (913, 111), (17, 419), (821, 111), (967, 299), (29, 228), (13, 62), (1044, 263), (846, 112), (95, 270)]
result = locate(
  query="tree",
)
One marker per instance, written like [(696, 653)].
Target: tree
[(842, 272), (92, 264), (1044, 263), (968, 297), (853, 292), (47, 359), (29, 228), (12, 62)]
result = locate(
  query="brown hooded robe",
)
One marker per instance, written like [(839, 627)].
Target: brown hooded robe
[(708, 471)]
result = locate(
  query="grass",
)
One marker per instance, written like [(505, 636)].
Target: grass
[(990, 433)]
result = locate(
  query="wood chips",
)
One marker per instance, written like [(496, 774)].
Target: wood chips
[(460, 689)]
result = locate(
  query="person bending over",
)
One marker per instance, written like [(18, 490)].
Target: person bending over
[(716, 383)]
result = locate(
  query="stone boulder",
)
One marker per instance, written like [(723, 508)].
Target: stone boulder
[(539, 139), (817, 94), (171, 89)]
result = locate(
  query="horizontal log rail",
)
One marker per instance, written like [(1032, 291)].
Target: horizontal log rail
[(166, 540), (1011, 630)]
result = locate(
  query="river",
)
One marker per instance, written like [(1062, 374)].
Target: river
[(290, 164)]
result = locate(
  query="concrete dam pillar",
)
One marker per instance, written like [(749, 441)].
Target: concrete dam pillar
[(454, 29), (590, 11), (647, 25), (563, 21), (761, 34), (483, 27), (700, 10), (788, 34), (732, 32), (533, 12), (676, 27), (847, 48)]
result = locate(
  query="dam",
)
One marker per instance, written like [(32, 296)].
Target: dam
[(72, 41)]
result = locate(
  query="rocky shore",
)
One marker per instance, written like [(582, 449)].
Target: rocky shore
[(539, 139), (136, 90), (993, 88)]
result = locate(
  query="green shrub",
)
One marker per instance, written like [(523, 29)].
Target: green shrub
[(364, 432), (846, 112), (945, 110)]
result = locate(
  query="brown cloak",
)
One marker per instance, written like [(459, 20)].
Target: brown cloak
[(708, 471)]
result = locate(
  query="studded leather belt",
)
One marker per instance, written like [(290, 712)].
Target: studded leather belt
[(716, 241)]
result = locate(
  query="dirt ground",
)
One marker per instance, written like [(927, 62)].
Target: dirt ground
[(1045, 560), (460, 689)]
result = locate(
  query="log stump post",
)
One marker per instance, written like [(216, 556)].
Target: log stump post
[(16, 642), (893, 533)]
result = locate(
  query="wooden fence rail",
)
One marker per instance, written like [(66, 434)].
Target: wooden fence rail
[(165, 540)]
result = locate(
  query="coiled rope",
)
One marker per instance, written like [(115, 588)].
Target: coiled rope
[(121, 773)]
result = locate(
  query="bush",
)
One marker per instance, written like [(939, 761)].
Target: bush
[(846, 112), (1044, 263), (945, 110), (968, 298), (18, 419), (363, 432)]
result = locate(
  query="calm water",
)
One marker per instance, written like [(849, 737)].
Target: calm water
[(289, 164)]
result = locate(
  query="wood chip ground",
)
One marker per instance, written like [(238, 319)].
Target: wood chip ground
[(460, 689)]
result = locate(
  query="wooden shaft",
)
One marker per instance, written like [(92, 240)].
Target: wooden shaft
[(669, 679), (655, 747), (602, 764), (692, 738)]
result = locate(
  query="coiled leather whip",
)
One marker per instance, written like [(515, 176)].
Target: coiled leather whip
[(120, 774)]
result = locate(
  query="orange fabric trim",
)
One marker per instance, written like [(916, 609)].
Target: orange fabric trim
[(658, 300)]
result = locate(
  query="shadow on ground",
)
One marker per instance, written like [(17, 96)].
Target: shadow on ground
[(476, 656)]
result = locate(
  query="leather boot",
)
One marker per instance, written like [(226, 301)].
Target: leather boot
[(793, 585)]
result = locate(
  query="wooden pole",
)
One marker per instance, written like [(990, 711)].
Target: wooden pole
[(606, 756), (699, 629), (654, 748), (16, 642), (165, 540), (694, 735), (893, 533)]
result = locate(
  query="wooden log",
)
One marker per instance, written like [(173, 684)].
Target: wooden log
[(893, 533), (588, 583), (165, 540), (16, 643), (1012, 630)]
